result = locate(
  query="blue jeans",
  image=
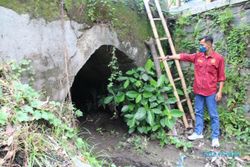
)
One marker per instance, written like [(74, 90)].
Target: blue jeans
[(199, 114)]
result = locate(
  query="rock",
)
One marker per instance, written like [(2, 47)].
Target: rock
[(78, 163), (42, 42)]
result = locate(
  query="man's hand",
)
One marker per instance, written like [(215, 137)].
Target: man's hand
[(218, 96), (163, 58)]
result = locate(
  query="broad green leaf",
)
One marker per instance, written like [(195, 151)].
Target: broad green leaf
[(120, 97), (140, 114), (147, 94), (153, 98), (131, 107), (155, 127), (78, 113), (171, 100), (166, 89), (131, 123), (125, 108), (149, 64), (153, 83), (130, 72), (45, 115), (162, 122), (153, 105), (56, 122), (126, 84), (150, 118), (144, 102), (157, 111), (149, 88), (145, 77), (36, 104), (138, 98), (176, 113), (131, 130), (138, 83), (161, 80), (27, 109), (129, 116), (169, 123), (108, 99), (180, 92), (132, 94), (3, 117), (141, 69), (121, 78), (37, 115), (22, 116), (132, 80)]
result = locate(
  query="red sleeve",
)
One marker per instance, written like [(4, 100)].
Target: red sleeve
[(188, 57), (221, 71)]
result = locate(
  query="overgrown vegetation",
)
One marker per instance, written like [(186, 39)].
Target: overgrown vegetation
[(127, 17), (233, 47), (139, 96), (35, 132)]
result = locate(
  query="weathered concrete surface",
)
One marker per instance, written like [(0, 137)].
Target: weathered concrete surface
[(193, 7), (42, 42)]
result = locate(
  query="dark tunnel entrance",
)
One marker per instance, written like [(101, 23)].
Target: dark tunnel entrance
[(91, 81)]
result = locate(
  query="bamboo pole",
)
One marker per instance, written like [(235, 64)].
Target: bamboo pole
[(178, 66), (166, 66)]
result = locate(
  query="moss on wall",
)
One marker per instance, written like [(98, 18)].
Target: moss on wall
[(127, 22), (48, 9)]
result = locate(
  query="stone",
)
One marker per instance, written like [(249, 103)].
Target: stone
[(78, 163)]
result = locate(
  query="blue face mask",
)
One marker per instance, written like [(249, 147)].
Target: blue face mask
[(203, 49)]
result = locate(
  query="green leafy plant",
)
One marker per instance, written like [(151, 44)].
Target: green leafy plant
[(36, 127), (139, 94)]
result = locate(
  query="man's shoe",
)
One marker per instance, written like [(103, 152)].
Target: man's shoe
[(215, 142), (195, 136)]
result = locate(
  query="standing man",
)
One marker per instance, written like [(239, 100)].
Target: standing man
[(209, 69)]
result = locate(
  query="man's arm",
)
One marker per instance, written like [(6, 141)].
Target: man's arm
[(221, 79), (219, 93), (170, 57), (182, 57)]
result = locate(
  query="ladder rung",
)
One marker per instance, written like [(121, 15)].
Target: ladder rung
[(184, 100), (177, 79), (157, 18), (163, 38)]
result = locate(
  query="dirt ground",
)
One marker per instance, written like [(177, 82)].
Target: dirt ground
[(112, 142)]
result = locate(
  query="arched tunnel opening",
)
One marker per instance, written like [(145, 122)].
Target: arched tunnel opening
[(90, 83)]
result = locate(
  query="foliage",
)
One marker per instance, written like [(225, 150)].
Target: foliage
[(34, 128), (143, 106), (233, 124), (237, 44), (224, 19)]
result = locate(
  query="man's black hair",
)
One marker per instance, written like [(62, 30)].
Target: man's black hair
[(207, 38)]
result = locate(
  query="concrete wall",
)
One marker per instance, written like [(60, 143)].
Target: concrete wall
[(24, 38)]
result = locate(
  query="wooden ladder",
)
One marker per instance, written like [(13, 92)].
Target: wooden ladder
[(158, 41)]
